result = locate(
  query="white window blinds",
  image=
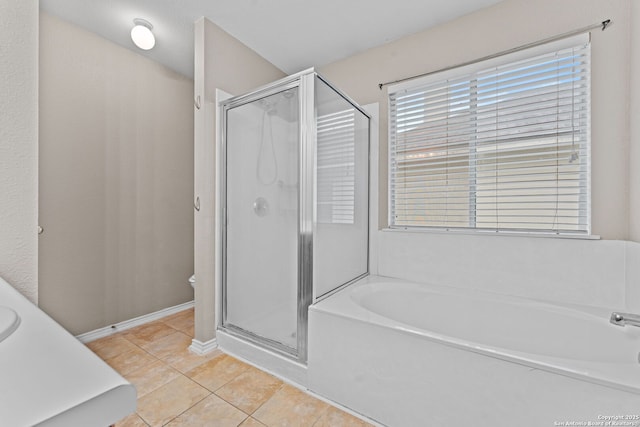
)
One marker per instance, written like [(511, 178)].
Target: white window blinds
[(336, 167), (502, 145)]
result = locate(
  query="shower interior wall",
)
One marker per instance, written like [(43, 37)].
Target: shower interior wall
[(263, 298)]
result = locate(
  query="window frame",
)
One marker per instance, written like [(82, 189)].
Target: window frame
[(449, 74)]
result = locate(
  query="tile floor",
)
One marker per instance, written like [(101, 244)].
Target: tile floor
[(179, 388)]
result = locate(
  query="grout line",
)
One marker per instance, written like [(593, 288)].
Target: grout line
[(231, 404), (143, 420), (241, 373), (256, 410), (306, 391), (321, 413), (210, 392), (227, 382), (270, 397), (152, 355), (188, 408), (161, 385), (148, 352), (143, 349), (310, 393), (180, 373)]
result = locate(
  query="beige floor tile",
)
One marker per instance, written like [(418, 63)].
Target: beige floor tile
[(251, 422), (191, 331), (167, 402), (218, 371), (169, 345), (249, 390), (130, 361), (165, 395), (111, 346), (189, 312), (186, 361), (132, 420), (333, 417), (148, 333), (151, 376), (182, 321), (174, 350), (290, 407), (212, 411)]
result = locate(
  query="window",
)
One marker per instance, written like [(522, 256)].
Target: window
[(500, 145)]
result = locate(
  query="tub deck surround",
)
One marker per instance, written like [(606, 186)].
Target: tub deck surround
[(49, 378), (572, 271), (411, 353)]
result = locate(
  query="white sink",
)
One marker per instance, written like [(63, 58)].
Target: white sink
[(9, 321), (48, 377)]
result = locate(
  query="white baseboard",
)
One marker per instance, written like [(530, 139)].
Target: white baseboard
[(202, 348), (128, 324)]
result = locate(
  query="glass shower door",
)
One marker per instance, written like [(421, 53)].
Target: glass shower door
[(261, 238)]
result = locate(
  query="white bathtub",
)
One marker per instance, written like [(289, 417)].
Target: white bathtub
[(408, 354)]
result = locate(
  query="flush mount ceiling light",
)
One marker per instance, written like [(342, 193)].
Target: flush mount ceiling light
[(141, 34)]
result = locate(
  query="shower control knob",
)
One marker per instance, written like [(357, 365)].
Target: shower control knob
[(261, 206)]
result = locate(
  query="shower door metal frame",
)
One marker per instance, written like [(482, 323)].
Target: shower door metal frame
[(307, 174), (305, 211)]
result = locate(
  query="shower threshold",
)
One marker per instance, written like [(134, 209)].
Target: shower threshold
[(281, 363)]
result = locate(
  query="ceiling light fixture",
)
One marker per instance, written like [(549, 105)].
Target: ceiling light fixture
[(141, 34)]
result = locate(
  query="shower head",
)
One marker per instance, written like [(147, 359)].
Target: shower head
[(269, 106)]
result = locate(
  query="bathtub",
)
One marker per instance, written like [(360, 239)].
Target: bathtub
[(409, 354)]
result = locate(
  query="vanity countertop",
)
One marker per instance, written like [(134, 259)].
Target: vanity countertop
[(49, 378)]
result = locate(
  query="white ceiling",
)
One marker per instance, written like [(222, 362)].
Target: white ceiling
[(292, 34)]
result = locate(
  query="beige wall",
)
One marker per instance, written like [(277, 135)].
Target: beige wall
[(221, 62), (504, 26), (634, 146), (116, 167), (19, 145)]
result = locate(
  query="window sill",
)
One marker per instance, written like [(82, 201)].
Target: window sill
[(491, 233)]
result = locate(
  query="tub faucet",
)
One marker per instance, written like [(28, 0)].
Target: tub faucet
[(622, 319)]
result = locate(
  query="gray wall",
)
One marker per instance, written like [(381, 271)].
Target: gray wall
[(116, 178), (19, 145), (506, 25)]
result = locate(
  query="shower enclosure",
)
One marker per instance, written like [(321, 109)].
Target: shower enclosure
[(294, 207)]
